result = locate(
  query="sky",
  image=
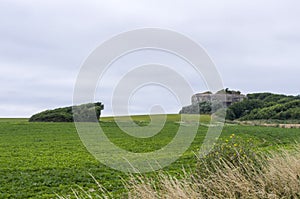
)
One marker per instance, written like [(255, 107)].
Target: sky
[(255, 46)]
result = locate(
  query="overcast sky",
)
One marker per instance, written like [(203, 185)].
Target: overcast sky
[(254, 44)]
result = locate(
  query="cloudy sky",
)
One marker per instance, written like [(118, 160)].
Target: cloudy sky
[(255, 46)]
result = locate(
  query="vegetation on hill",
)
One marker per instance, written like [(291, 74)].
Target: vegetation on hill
[(228, 91), (84, 113), (259, 106), (206, 107)]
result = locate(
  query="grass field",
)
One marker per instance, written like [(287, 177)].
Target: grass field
[(40, 160)]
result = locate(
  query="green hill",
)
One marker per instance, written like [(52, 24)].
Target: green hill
[(259, 106)]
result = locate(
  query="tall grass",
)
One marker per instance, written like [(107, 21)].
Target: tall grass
[(277, 176), (231, 170)]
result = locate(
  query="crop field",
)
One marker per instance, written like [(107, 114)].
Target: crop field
[(44, 160)]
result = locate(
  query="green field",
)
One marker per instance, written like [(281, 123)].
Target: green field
[(40, 160)]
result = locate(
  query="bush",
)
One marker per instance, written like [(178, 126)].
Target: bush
[(232, 150), (201, 108), (84, 113)]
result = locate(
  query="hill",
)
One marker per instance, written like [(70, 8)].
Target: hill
[(259, 106), (254, 106)]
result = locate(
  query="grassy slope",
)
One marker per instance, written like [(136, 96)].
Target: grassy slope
[(41, 159)]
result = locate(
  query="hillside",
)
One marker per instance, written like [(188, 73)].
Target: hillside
[(259, 106), (254, 106)]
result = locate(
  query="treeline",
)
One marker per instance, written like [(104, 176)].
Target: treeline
[(83, 113), (265, 106)]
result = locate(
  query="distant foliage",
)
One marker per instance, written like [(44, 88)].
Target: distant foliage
[(209, 103), (84, 113), (228, 91), (242, 108), (205, 107), (265, 106)]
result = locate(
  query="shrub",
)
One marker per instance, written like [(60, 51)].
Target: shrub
[(205, 107), (84, 113), (232, 150)]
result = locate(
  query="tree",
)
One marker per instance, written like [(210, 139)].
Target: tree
[(85, 113), (240, 109)]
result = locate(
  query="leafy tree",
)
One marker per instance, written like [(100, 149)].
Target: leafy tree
[(258, 96), (242, 108), (206, 107), (85, 113)]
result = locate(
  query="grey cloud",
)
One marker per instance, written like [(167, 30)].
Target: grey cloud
[(255, 45)]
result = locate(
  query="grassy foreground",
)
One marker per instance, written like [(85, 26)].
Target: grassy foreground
[(41, 160), (276, 175)]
